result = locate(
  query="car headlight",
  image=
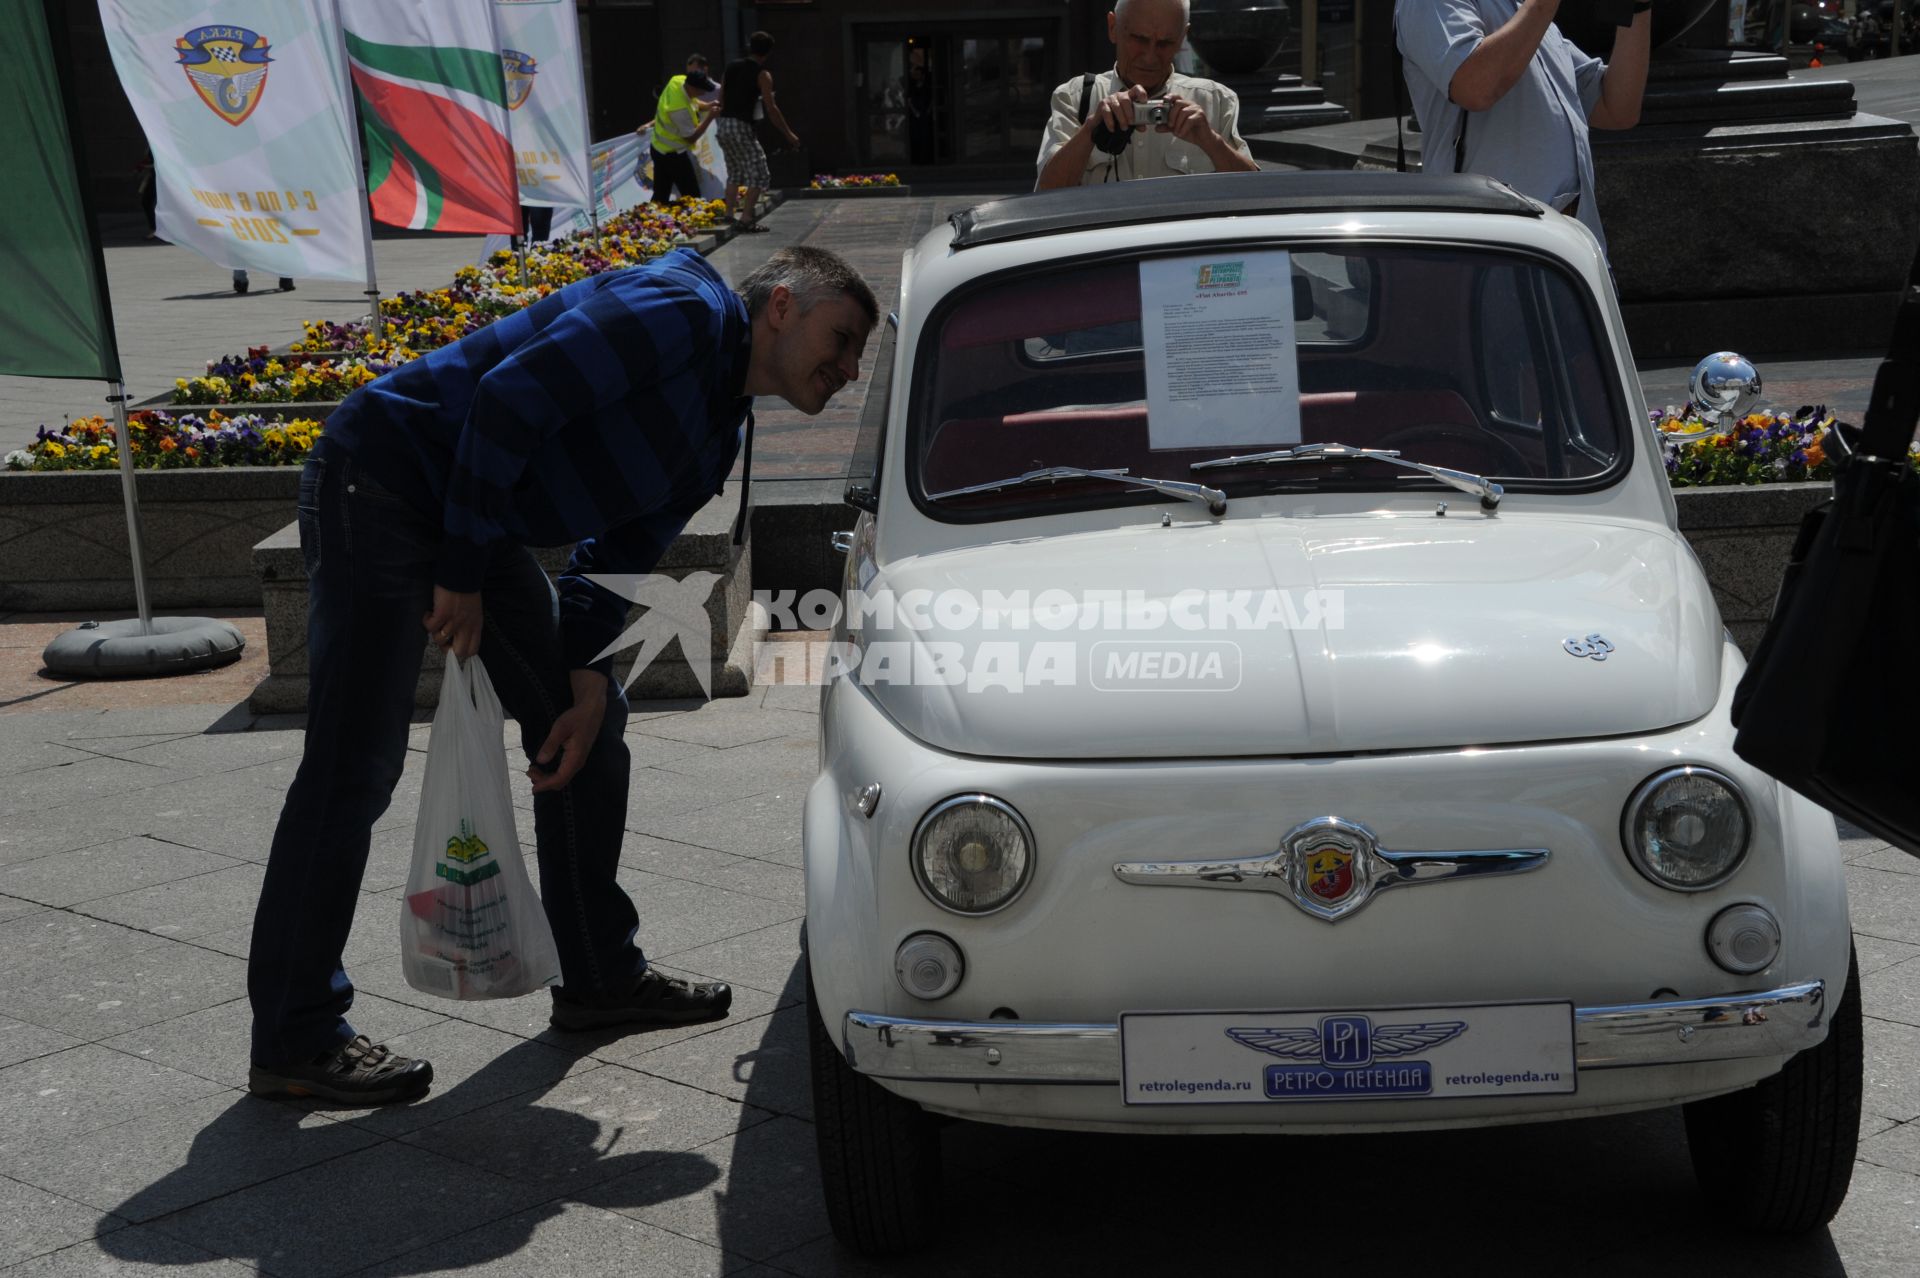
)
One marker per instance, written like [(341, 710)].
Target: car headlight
[(972, 854), (1687, 828)]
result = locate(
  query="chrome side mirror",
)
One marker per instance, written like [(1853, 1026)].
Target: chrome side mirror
[(1724, 385)]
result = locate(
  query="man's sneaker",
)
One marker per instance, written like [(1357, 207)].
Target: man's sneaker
[(656, 1000), (356, 1073)]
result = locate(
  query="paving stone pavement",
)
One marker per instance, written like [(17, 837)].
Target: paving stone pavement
[(130, 855)]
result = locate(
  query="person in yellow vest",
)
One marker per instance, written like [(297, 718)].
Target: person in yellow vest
[(678, 121)]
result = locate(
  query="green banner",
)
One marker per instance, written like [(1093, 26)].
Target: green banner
[(55, 320)]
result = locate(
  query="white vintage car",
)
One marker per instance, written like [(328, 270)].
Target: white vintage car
[(1272, 695)]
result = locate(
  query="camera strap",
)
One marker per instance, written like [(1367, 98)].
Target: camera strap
[(1086, 95)]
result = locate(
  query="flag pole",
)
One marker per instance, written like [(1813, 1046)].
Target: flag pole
[(593, 193), (124, 439), (377, 327), (141, 646)]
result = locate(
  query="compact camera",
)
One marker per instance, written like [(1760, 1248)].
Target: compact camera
[(1153, 113)]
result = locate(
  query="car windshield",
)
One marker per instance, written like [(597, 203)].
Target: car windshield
[(1472, 359)]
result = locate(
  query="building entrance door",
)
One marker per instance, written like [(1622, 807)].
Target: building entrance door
[(934, 93)]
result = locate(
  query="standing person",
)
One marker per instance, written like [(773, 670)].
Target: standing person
[(746, 90), (679, 119), (920, 144), (607, 414), (700, 84), (1500, 91), (149, 192), (242, 281), (1202, 132)]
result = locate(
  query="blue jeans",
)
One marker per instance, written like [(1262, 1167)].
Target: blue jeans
[(369, 563)]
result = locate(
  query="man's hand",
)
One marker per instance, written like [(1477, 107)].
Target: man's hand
[(572, 736), (454, 623), (1116, 110), (1186, 121)]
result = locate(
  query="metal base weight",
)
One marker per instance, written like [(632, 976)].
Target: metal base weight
[(123, 650)]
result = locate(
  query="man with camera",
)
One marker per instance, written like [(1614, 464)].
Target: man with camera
[(1142, 118), (1500, 91)]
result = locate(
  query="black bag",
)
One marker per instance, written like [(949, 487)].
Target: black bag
[(1832, 693)]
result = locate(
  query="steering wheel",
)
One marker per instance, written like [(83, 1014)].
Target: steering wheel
[(1507, 460)]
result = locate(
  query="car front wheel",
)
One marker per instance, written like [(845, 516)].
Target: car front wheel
[(879, 1154), (1778, 1156)]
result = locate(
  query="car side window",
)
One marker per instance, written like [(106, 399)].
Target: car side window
[(1508, 366)]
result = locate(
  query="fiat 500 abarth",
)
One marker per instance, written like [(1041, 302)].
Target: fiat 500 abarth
[(1271, 694)]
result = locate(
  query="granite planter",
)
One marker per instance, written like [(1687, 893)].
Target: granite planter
[(706, 545), (63, 537), (1742, 536)]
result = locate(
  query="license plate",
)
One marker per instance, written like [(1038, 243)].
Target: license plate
[(1405, 1053)]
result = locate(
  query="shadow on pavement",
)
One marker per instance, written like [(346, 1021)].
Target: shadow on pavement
[(396, 1206)]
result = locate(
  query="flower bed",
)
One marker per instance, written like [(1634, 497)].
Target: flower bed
[(1760, 448), (852, 182), (428, 319), (333, 360), (170, 441)]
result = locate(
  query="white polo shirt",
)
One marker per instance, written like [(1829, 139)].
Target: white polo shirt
[(1151, 153)]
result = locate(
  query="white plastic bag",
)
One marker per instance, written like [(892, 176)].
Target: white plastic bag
[(471, 926)]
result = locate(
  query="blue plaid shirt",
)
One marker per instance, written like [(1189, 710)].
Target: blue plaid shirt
[(605, 414)]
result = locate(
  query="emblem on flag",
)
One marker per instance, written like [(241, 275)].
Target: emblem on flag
[(520, 68), (227, 67)]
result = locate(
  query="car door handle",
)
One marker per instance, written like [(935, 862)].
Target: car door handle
[(841, 541)]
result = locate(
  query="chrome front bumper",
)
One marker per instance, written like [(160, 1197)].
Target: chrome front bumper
[(1776, 1022)]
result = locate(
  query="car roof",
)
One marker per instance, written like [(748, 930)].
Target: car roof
[(1199, 195)]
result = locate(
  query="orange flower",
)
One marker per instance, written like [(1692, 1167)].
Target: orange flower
[(167, 444), (191, 451), (1815, 453)]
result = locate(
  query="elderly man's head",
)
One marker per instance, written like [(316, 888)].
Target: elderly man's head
[(1146, 34)]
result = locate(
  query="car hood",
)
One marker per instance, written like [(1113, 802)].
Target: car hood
[(1284, 636)]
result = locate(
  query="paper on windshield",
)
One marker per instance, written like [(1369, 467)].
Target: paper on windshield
[(1222, 363)]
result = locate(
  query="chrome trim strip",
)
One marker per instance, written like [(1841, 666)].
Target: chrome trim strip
[(1777, 1022), (1372, 868)]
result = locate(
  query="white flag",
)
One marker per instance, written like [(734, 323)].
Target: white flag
[(251, 132), (540, 51)]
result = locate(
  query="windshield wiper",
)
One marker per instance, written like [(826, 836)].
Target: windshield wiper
[(1485, 489), (1212, 498)]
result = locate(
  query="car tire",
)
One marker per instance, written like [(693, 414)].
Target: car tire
[(1777, 1156), (879, 1154)]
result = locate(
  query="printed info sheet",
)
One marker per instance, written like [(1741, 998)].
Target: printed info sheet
[(1222, 365)]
